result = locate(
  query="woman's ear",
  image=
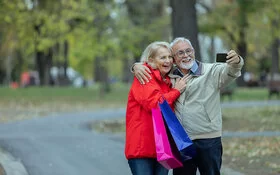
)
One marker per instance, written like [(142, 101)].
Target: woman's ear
[(151, 62), (150, 59)]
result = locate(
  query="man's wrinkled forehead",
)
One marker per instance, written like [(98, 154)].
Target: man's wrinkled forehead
[(181, 45)]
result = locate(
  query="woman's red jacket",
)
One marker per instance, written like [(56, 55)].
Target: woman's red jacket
[(140, 142)]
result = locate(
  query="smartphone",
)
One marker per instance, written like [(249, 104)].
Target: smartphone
[(221, 57)]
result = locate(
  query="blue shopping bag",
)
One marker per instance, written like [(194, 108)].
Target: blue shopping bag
[(181, 138)]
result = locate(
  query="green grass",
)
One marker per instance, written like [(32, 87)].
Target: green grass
[(249, 94), (253, 156), (118, 94), (23, 103), (252, 119)]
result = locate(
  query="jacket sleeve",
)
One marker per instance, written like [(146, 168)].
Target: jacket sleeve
[(149, 94), (227, 72)]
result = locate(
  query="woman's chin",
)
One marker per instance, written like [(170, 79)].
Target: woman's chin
[(164, 72)]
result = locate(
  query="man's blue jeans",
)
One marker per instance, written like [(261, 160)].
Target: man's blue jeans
[(146, 166), (208, 158)]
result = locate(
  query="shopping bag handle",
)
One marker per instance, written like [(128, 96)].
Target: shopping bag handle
[(161, 99)]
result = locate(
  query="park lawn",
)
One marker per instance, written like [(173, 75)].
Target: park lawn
[(256, 155), (251, 94), (251, 119), (252, 156), (24, 103)]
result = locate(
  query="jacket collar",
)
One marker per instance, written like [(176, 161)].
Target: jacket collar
[(158, 76), (196, 70)]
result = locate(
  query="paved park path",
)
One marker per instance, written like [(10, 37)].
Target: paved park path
[(63, 145)]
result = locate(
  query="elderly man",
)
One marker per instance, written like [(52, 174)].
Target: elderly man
[(198, 108)]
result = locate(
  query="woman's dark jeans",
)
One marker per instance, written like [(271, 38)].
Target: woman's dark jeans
[(208, 158), (146, 166)]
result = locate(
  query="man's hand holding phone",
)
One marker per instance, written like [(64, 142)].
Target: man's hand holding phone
[(231, 57), (221, 57)]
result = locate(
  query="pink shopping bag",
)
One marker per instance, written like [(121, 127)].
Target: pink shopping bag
[(165, 156)]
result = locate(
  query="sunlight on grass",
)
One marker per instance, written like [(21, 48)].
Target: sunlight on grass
[(24, 103), (248, 94), (252, 119), (248, 154), (111, 126)]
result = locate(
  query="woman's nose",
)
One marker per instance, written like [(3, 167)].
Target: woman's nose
[(167, 60)]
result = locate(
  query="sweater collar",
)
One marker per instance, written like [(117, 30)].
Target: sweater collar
[(158, 76), (195, 70)]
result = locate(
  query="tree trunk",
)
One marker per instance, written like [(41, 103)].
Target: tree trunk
[(242, 51), (127, 75), (101, 75), (8, 69), (63, 78), (184, 22), (48, 65), (56, 51), (105, 88), (39, 55), (212, 49), (19, 66), (65, 65), (40, 66), (97, 69), (275, 58), (275, 47)]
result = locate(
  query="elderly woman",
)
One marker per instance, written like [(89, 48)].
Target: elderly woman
[(140, 147)]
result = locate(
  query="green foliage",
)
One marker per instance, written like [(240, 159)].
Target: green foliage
[(120, 30), (258, 20), (148, 24)]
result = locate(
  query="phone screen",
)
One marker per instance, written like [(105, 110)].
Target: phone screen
[(221, 57)]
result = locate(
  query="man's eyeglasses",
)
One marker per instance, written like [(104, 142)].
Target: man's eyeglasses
[(181, 53)]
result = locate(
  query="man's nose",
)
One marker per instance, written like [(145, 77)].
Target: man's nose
[(185, 53)]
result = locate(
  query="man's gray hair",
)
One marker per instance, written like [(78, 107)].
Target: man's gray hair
[(180, 39)]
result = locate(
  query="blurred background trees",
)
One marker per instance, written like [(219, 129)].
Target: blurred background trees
[(99, 40)]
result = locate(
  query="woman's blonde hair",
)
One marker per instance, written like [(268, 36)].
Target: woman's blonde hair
[(151, 50)]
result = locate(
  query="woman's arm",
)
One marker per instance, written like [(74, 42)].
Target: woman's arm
[(149, 94)]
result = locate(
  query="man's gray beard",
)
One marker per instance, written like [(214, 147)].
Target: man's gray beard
[(186, 66)]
